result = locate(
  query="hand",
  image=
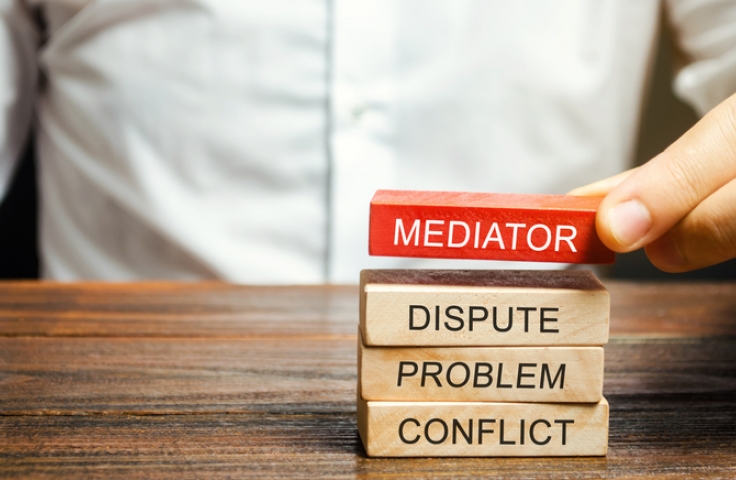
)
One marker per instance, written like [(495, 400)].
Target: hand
[(681, 205)]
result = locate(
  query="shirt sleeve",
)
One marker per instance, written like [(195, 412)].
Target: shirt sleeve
[(707, 34), (18, 82)]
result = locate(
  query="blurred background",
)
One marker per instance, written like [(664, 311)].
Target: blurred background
[(664, 119)]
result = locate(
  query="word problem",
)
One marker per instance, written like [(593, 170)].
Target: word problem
[(482, 374)]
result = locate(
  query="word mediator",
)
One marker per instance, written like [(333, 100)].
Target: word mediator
[(539, 228)]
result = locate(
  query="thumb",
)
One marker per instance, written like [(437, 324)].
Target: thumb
[(650, 201)]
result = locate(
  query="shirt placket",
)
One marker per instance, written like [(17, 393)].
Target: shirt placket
[(360, 138)]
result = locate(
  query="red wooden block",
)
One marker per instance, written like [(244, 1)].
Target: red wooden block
[(487, 226)]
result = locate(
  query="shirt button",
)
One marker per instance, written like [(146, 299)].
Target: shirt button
[(358, 111)]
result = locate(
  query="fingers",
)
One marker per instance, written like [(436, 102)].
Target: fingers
[(651, 200), (706, 236), (602, 187)]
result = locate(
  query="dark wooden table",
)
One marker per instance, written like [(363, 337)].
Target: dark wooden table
[(185, 380)]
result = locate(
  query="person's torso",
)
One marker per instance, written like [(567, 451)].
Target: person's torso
[(244, 140)]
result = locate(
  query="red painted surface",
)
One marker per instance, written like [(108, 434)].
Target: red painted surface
[(487, 226)]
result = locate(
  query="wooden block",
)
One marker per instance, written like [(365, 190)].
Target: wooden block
[(482, 308), (481, 374), (486, 226), (443, 429)]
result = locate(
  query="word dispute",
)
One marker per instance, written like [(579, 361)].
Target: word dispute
[(456, 318)]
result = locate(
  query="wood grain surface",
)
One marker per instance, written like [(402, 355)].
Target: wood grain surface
[(191, 380)]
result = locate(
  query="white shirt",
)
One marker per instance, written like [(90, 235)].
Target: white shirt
[(243, 140)]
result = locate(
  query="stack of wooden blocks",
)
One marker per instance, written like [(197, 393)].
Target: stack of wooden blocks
[(481, 362)]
